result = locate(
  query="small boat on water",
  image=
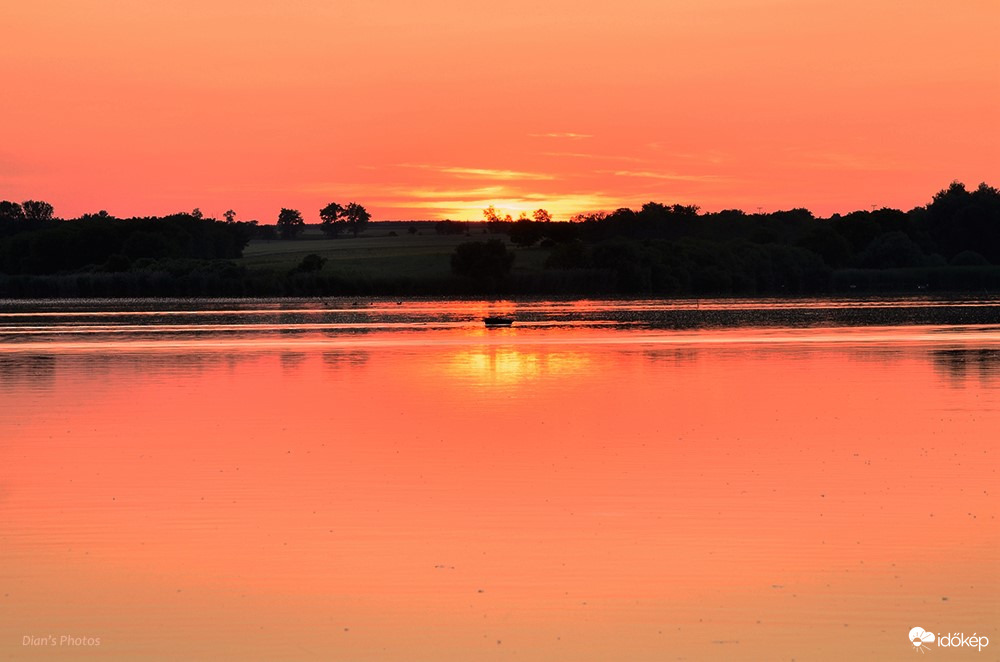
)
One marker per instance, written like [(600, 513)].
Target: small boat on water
[(498, 321)]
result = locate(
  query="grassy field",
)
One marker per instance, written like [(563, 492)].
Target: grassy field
[(424, 255)]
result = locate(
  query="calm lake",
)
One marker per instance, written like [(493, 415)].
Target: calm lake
[(604, 480)]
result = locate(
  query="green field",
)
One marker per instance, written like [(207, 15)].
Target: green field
[(371, 255)]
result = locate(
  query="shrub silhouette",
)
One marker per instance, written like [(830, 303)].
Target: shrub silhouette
[(482, 260), (310, 263)]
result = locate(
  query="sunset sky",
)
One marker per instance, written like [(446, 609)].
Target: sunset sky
[(437, 109)]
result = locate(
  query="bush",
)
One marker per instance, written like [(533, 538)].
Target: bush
[(482, 260), (969, 259), (309, 264)]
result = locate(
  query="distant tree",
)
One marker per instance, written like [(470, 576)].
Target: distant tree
[(524, 232), (290, 223), (229, 215), (892, 250), (310, 263), (449, 227), (961, 220), (146, 244), (541, 216), (196, 213), (37, 211), (482, 260), (969, 259), (568, 255), (826, 242), (333, 219), (10, 212), (117, 263), (357, 217), (413, 229), (494, 222)]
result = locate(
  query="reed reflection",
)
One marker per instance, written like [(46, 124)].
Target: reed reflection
[(31, 371), (963, 364)]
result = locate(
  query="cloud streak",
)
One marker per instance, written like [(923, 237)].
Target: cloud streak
[(462, 172), (600, 157), (648, 174), (566, 135)]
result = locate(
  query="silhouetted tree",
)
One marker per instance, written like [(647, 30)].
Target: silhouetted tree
[(357, 217), (290, 223), (310, 263), (541, 216), (568, 255), (968, 259), (100, 215), (229, 215), (196, 213), (333, 219), (828, 244), (485, 261), (524, 232), (859, 228), (146, 244), (10, 212), (449, 227), (962, 220), (37, 211), (892, 250), (494, 223), (117, 263)]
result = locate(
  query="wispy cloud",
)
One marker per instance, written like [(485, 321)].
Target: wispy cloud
[(462, 172), (461, 194), (707, 156), (561, 134), (600, 157), (647, 174), (489, 173), (845, 161)]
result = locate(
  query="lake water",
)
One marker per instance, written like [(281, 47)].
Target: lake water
[(605, 480)]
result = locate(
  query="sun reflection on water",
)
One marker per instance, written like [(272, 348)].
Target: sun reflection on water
[(508, 365)]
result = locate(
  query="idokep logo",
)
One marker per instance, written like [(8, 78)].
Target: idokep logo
[(921, 639)]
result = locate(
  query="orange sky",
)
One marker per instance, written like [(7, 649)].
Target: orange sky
[(437, 109)]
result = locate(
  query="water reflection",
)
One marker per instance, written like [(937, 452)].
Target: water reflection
[(512, 366), (961, 364), (27, 371), (20, 319), (584, 492), (339, 359)]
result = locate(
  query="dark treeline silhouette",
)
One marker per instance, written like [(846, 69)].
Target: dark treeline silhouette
[(32, 241), (450, 227), (674, 249), (951, 244)]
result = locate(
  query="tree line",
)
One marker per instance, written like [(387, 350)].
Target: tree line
[(676, 249), (38, 243), (34, 241), (952, 243)]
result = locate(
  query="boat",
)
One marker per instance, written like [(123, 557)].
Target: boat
[(498, 321)]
